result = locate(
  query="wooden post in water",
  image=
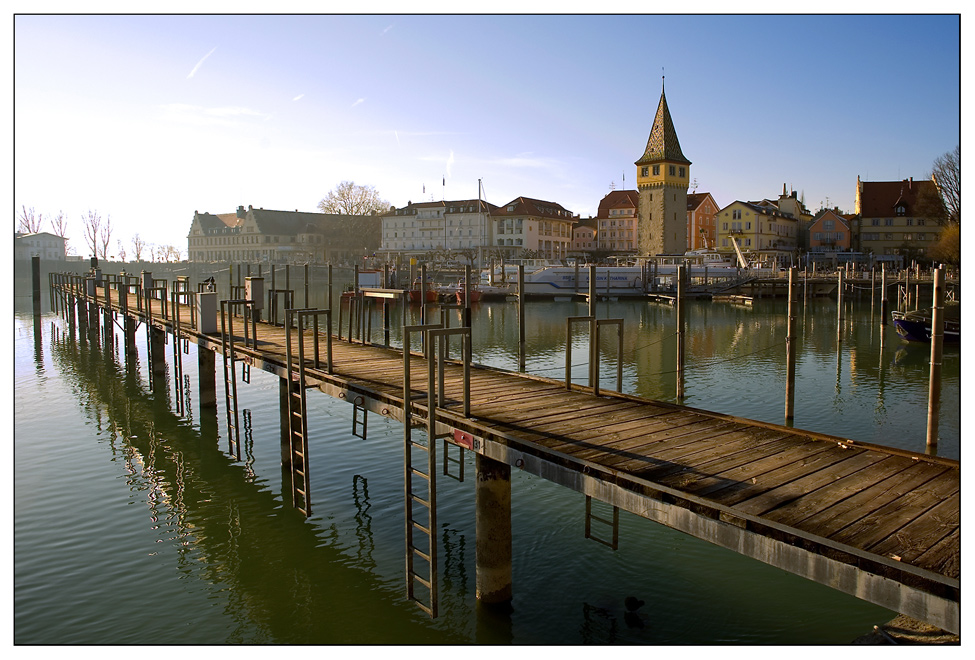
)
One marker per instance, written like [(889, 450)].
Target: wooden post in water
[(35, 276), (790, 352), (423, 294), (592, 290), (839, 305), (681, 290), (937, 341), (873, 289), (493, 530), (157, 354), (521, 317), (883, 297)]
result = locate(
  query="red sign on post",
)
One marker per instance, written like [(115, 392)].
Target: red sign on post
[(463, 439)]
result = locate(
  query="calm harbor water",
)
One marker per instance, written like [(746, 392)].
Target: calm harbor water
[(134, 525)]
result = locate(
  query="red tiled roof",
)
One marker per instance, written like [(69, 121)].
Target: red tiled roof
[(878, 198), (618, 199)]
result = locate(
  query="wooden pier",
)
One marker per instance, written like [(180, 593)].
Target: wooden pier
[(881, 524)]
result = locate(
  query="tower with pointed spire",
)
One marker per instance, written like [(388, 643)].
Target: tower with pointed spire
[(662, 177)]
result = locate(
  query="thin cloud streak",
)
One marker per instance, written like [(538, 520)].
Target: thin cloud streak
[(298, 98), (357, 102), (200, 63)]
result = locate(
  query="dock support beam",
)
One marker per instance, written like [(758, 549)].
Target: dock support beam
[(493, 530), (157, 352)]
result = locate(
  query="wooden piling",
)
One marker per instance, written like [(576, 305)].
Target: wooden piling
[(35, 276), (493, 530), (521, 317), (937, 342), (839, 306), (883, 297), (681, 290), (790, 351), (592, 290), (157, 353)]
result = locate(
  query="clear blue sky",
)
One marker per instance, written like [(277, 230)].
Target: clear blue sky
[(149, 118)]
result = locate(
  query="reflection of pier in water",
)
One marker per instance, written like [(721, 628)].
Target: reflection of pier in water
[(852, 516), (197, 498)]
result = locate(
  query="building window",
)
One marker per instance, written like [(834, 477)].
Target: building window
[(888, 222), (671, 170), (681, 172), (656, 170), (900, 210), (645, 171)]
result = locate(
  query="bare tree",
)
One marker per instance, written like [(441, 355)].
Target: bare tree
[(93, 223), (121, 250), (946, 174), (168, 253), (105, 236), (138, 245), (350, 199), (29, 222), (59, 224)]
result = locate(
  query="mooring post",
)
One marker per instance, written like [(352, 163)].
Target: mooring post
[(82, 305), (839, 305), (386, 322), (790, 351), (157, 353), (35, 276), (521, 317), (883, 296), (937, 342), (493, 530), (92, 294), (681, 277), (592, 292)]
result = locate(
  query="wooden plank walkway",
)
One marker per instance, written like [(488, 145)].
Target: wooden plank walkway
[(880, 523)]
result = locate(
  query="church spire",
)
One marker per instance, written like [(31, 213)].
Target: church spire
[(663, 144)]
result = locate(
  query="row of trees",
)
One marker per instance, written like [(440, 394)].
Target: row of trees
[(98, 237)]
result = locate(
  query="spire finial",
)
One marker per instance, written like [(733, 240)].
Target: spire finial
[(662, 77)]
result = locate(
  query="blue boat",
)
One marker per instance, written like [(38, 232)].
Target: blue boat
[(916, 325)]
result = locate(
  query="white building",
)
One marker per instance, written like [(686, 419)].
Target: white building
[(43, 244), (417, 229)]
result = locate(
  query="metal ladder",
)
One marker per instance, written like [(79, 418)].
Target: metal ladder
[(416, 503), (229, 364), (297, 401), (420, 532)]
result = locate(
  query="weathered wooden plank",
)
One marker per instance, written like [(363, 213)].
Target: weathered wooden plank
[(890, 518), (832, 520), (795, 512), (922, 533), (800, 487), (772, 472), (944, 557)]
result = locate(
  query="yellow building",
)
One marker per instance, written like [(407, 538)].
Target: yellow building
[(760, 229)]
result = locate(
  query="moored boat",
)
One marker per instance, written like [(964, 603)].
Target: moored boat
[(916, 325)]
